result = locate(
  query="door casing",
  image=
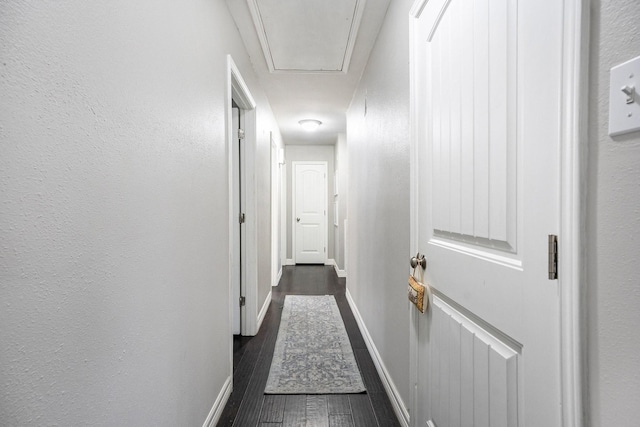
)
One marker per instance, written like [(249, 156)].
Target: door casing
[(236, 236), (238, 91)]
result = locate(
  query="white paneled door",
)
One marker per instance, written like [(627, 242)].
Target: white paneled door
[(486, 87), (310, 212)]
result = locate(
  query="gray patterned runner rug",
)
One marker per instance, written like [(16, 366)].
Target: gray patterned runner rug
[(313, 354)]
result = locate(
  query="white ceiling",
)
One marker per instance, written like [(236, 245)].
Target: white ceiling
[(309, 56)]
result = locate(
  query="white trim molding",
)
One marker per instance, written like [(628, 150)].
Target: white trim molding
[(219, 404), (278, 277), (394, 395), (263, 311), (572, 222), (340, 273), (238, 90), (290, 262), (415, 12)]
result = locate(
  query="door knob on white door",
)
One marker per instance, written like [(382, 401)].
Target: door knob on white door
[(418, 260), (297, 219)]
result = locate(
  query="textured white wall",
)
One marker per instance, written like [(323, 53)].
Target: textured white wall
[(114, 215), (613, 229), (378, 204)]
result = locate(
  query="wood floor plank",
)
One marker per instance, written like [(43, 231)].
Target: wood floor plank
[(272, 409), (357, 341), (338, 404), (317, 411), (340, 420), (362, 411), (383, 409), (295, 410), (368, 370)]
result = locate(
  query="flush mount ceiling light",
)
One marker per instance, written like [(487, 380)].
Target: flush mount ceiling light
[(310, 124)]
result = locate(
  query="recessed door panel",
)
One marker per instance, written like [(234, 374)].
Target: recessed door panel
[(473, 127)]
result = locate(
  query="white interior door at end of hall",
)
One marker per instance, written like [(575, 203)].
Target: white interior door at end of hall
[(310, 213), (487, 76)]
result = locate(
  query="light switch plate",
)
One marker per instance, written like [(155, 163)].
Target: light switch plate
[(624, 117)]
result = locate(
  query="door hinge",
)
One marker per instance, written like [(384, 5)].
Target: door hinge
[(243, 301), (240, 133), (553, 257), (241, 219)]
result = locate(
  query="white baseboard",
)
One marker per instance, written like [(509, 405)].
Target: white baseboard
[(340, 273), (218, 405), (263, 311), (396, 400), (290, 262), (278, 276)]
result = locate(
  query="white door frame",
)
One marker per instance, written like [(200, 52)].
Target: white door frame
[(276, 190), (239, 92), (283, 210), (572, 163), (237, 245), (293, 206)]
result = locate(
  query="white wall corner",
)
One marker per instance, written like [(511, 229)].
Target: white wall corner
[(263, 310), (396, 400), (219, 404)]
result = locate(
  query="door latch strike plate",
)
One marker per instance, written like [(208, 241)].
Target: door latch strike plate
[(553, 257), (243, 301)]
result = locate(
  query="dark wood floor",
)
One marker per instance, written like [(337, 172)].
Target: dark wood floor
[(248, 406)]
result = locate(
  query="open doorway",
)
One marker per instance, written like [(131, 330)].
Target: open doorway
[(238, 208), (241, 141)]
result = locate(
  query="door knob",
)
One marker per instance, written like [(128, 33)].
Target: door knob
[(297, 219), (418, 260)]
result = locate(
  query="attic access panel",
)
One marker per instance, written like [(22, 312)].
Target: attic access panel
[(307, 35)]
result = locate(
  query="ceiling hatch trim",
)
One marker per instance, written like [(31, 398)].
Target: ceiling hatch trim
[(283, 45)]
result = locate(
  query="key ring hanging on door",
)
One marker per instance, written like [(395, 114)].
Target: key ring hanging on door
[(416, 288)]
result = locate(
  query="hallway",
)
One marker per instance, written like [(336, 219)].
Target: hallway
[(117, 195), (248, 406)]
